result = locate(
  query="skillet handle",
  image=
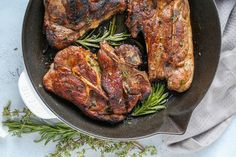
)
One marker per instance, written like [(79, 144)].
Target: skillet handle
[(31, 98)]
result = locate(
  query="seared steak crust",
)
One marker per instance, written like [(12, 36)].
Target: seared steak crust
[(168, 36), (107, 93), (67, 20), (75, 76), (124, 84)]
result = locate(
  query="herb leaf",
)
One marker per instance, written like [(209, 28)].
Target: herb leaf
[(92, 40), (69, 141), (155, 102)]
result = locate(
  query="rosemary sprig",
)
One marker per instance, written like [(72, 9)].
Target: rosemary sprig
[(155, 102), (92, 40), (69, 141)]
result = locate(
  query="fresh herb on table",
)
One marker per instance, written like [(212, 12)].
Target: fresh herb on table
[(68, 140), (92, 39), (155, 102)]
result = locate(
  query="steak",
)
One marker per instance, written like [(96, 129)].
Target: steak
[(67, 20), (107, 93), (124, 84), (75, 76), (168, 36)]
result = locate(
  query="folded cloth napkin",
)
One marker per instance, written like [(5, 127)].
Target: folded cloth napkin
[(214, 113)]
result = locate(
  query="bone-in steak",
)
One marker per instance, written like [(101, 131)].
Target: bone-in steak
[(67, 20), (124, 84), (168, 36), (107, 93)]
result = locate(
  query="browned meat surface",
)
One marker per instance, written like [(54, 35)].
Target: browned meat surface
[(67, 20), (168, 35), (124, 84), (76, 76), (129, 54)]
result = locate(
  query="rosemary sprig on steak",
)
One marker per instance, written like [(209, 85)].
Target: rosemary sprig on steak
[(155, 102), (93, 39)]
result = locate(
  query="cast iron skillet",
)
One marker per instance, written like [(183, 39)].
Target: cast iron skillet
[(173, 120)]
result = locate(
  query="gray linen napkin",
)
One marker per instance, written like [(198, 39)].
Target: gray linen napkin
[(214, 113)]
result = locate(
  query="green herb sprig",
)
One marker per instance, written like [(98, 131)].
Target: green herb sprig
[(68, 140), (155, 102), (92, 40)]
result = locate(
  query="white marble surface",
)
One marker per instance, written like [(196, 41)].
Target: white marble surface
[(11, 65)]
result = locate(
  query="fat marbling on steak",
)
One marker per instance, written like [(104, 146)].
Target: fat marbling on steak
[(106, 88), (67, 20), (168, 36)]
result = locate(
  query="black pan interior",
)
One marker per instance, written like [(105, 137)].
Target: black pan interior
[(173, 120)]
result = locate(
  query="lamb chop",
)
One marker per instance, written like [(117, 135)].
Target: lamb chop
[(124, 84), (76, 76), (67, 20), (168, 35)]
